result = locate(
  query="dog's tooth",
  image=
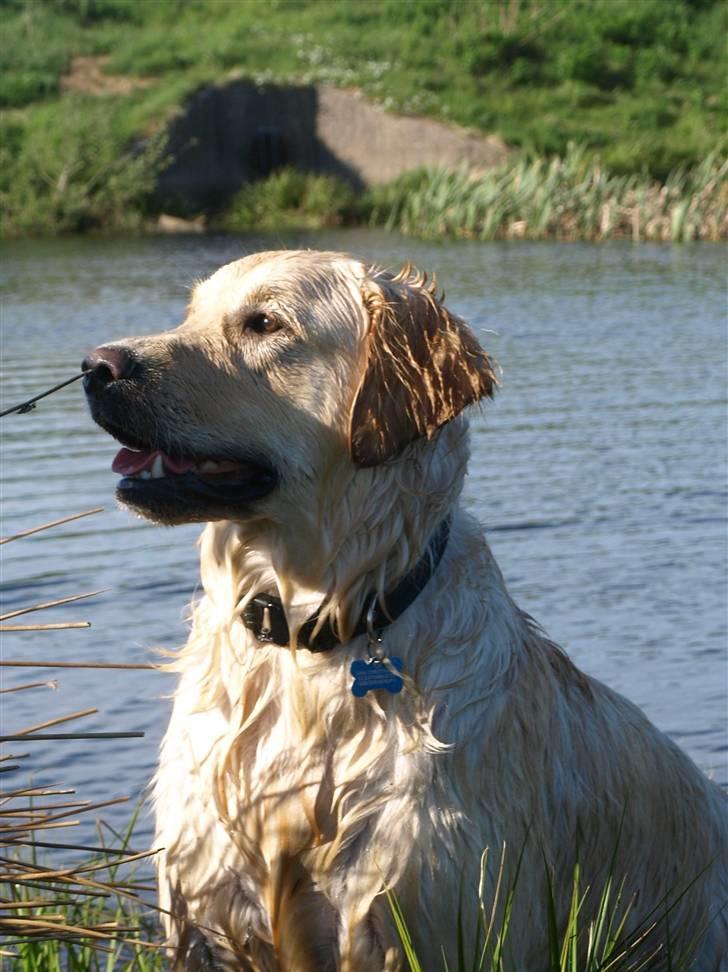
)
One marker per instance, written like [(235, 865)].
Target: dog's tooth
[(209, 466), (157, 470)]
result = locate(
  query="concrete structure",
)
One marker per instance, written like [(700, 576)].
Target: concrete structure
[(234, 133)]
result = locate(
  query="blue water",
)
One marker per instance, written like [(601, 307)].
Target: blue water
[(599, 472)]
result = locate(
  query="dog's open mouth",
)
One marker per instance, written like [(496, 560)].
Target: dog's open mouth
[(175, 489), (154, 464)]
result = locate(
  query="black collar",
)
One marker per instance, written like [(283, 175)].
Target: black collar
[(264, 615)]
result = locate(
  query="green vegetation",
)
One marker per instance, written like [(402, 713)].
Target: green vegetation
[(640, 83), (74, 166), (99, 926), (598, 942), (288, 199), (574, 198)]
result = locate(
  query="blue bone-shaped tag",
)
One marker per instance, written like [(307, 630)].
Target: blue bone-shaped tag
[(374, 674)]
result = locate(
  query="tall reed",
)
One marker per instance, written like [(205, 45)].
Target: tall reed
[(67, 904), (569, 198), (593, 936)]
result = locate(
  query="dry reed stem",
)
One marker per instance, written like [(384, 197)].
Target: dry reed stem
[(60, 626), (50, 604), (56, 722), (49, 910), (49, 526), (18, 663), (29, 685), (46, 736)]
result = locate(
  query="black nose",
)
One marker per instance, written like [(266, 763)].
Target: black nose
[(107, 364)]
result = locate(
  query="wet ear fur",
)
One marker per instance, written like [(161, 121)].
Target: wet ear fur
[(423, 367)]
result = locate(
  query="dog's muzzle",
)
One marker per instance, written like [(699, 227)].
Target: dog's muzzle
[(161, 476)]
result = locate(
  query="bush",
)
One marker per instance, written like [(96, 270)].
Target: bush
[(289, 198), (71, 170)]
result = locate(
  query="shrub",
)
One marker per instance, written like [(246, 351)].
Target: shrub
[(289, 198), (71, 170)]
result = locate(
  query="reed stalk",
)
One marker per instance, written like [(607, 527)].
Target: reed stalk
[(568, 198), (60, 911)]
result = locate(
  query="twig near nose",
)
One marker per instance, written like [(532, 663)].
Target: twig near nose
[(29, 405)]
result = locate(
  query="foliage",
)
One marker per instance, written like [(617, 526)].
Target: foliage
[(574, 197), (642, 83), (592, 939), (71, 168), (637, 85), (289, 199), (107, 927)]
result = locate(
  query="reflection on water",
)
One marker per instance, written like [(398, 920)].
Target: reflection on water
[(599, 472)]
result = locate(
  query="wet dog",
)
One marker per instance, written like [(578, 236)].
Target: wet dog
[(361, 706)]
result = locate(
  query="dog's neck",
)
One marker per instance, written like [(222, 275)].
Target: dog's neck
[(331, 555)]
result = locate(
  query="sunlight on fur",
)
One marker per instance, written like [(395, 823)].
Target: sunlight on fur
[(311, 408)]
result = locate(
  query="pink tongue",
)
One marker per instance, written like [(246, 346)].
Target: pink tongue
[(130, 463)]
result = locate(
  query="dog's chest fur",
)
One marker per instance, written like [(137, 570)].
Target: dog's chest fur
[(278, 790), (288, 794)]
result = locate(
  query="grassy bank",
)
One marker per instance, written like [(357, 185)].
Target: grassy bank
[(637, 85), (569, 198), (639, 82)]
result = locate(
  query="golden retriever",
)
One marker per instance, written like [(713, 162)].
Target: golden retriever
[(361, 707)]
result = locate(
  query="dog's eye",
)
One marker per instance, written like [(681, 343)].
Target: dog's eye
[(262, 324)]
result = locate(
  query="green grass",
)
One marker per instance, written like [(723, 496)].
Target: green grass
[(74, 166), (636, 84), (114, 931), (592, 938), (288, 199), (573, 198), (86, 916), (640, 82)]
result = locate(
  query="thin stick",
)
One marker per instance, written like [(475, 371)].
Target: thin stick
[(14, 879), (50, 604), (59, 664), (41, 811), (32, 903), (30, 685), (85, 808), (28, 791), (45, 627), (39, 737), (30, 403), (57, 721), (53, 523), (37, 825), (87, 848)]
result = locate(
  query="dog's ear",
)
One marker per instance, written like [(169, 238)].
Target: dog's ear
[(422, 367)]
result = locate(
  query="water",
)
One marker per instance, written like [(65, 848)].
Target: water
[(599, 472)]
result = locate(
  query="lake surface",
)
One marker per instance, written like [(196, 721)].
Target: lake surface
[(599, 473)]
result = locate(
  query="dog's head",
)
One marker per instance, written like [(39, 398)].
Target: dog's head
[(287, 365)]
